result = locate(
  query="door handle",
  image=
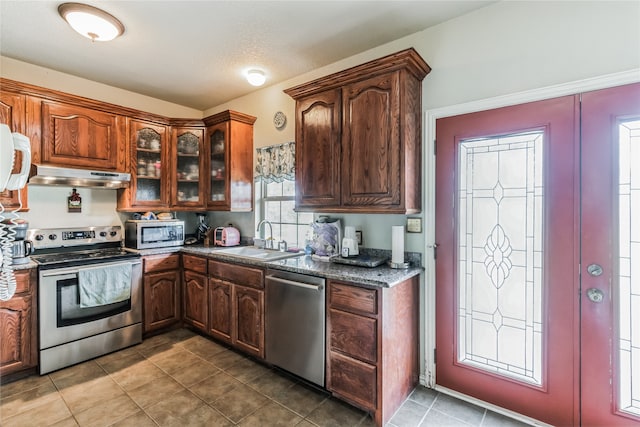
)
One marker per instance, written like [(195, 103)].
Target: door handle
[(595, 295)]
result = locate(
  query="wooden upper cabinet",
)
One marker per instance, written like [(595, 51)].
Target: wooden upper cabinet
[(188, 168), (229, 161), (76, 136), (13, 111), (13, 114), (318, 150), (359, 138), (72, 131), (371, 154), (149, 154)]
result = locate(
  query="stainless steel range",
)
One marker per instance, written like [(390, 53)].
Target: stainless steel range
[(89, 294)]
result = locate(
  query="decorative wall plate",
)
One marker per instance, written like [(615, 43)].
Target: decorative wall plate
[(279, 120)]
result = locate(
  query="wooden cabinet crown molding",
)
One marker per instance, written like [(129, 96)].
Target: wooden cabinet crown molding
[(407, 59), (7, 85), (186, 123), (229, 115)]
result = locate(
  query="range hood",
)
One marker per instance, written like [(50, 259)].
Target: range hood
[(53, 175)]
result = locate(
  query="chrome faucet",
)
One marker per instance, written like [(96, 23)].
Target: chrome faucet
[(268, 241)]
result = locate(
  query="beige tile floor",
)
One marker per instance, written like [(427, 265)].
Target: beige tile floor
[(182, 379)]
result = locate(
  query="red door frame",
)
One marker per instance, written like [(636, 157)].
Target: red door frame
[(601, 112)]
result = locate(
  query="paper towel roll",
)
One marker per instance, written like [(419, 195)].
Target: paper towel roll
[(397, 244)]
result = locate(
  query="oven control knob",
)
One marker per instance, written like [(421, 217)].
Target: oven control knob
[(113, 233), (39, 237), (103, 234), (53, 236)]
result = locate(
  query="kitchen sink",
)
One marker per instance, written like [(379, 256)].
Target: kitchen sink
[(256, 253)]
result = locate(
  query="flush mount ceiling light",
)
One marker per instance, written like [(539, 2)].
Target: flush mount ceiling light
[(90, 21), (256, 77)]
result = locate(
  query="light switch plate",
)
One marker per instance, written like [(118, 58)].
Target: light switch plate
[(414, 225)]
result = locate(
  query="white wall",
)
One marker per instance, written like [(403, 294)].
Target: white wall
[(48, 207), (51, 79)]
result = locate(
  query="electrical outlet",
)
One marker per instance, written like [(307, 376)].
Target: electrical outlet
[(414, 225)]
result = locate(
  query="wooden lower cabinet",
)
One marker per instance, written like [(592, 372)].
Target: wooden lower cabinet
[(161, 291), (18, 326), (372, 345), (249, 319), (194, 292), (354, 380), (372, 333), (195, 300), (236, 306), (220, 309)]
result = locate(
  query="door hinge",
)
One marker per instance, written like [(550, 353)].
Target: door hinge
[(435, 149), (435, 357), (435, 251)]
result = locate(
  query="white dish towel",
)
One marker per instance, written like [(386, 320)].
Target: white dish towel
[(104, 285)]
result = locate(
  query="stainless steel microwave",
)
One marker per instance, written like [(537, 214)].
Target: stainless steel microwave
[(143, 234)]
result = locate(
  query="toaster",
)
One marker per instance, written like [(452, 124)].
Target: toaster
[(226, 236)]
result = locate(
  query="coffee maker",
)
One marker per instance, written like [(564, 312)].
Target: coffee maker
[(21, 249)]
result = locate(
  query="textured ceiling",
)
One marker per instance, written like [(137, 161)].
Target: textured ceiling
[(194, 53)]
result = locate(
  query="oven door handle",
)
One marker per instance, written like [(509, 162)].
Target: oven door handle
[(76, 270)]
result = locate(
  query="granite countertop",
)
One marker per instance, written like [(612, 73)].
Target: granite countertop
[(379, 277), (382, 276), (25, 266)]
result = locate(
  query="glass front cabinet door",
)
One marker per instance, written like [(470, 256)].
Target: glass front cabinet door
[(189, 168), (230, 161), (218, 150), (149, 174)]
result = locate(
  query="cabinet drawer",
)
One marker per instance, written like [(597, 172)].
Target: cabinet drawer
[(354, 335), (194, 263), (353, 298), (246, 276), (161, 262), (353, 380)]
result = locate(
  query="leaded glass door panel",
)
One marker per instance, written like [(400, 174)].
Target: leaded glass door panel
[(506, 205)]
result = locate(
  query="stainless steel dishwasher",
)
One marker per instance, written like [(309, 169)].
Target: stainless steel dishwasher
[(295, 324)]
